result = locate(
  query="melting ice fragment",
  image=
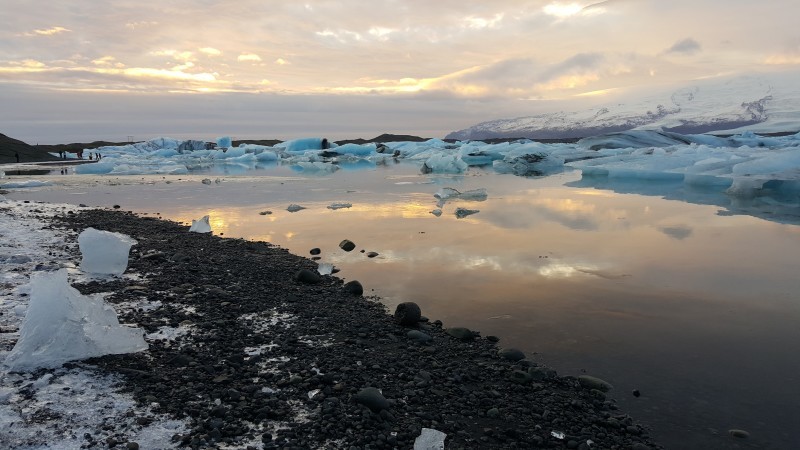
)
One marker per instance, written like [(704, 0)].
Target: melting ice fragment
[(325, 268), (295, 208), (475, 195), (339, 205), (463, 212), (201, 225), (104, 252), (62, 325), (430, 439)]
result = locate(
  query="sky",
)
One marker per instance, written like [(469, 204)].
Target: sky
[(84, 70)]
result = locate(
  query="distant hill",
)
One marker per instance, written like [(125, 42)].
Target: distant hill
[(384, 138), (27, 153)]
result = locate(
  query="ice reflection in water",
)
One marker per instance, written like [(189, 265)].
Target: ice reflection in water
[(693, 308)]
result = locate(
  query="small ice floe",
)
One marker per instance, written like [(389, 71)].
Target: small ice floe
[(437, 212), (206, 181), (558, 434), (294, 208), (475, 195), (201, 225), (25, 184), (62, 325), (104, 252), (325, 268), (464, 212), (430, 439), (340, 205)]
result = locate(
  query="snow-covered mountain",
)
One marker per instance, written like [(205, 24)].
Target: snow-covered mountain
[(760, 103)]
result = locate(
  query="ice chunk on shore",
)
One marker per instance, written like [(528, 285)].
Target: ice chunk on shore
[(201, 225), (294, 208), (104, 251), (25, 184), (430, 439), (62, 325)]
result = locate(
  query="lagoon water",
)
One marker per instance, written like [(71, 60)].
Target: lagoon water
[(691, 299)]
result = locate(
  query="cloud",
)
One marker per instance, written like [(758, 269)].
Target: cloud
[(248, 57), (686, 46), (49, 31), (211, 51)]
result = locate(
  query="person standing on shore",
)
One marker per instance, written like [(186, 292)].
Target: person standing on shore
[(16, 155)]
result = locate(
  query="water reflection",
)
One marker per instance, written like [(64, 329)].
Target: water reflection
[(777, 202)]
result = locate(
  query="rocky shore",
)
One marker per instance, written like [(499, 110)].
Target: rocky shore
[(265, 353)]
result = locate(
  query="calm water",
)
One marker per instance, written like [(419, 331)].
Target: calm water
[(695, 306)]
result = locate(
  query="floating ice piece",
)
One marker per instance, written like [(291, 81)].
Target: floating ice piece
[(440, 163), (325, 268), (430, 439), (316, 166), (437, 212), (206, 181), (201, 225), (62, 325), (25, 184), (446, 193), (463, 212), (295, 208), (339, 205), (104, 252)]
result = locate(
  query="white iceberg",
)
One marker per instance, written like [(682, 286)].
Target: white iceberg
[(201, 225), (104, 252), (62, 325)]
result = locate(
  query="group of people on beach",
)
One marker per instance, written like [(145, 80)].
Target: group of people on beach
[(92, 156)]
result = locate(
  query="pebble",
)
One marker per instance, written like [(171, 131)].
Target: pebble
[(347, 245), (464, 334), (511, 354), (307, 276), (354, 287), (590, 382), (419, 336), (741, 434), (372, 399), (407, 314)]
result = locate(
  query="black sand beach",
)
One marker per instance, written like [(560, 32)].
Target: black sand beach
[(324, 346)]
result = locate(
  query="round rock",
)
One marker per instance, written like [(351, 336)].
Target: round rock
[(464, 334), (372, 399), (407, 314), (590, 382), (511, 354), (354, 287), (419, 336), (347, 245), (315, 251), (307, 276), (741, 434)]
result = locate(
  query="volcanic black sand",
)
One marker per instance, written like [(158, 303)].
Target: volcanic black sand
[(325, 346)]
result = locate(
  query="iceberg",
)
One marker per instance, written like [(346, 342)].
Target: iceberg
[(440, 163), (201, 225), (224, 142), (62, 325), (104, 252)]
